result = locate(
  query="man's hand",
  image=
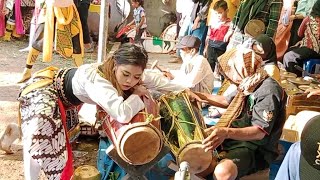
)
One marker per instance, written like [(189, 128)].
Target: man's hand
[(216, 136), (168, 75), (194, 97), (312, 92)]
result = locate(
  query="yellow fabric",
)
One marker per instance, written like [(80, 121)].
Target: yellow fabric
[(67, 25), (94, 8), (36, 85), (8, 33), (273, 71), (48, 72), (232, 6), (32, 56)]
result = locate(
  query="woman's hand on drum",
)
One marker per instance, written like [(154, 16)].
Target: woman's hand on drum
[(140, 91), (216, 135)]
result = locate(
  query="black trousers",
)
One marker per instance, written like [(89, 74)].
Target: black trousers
[(213, 55), (83, 10), (294, 38), (297, 56)]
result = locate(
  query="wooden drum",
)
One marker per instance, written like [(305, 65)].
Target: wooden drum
[(139, 141), (183, 124)]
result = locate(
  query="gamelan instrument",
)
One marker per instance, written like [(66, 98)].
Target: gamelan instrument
[(139, 141)]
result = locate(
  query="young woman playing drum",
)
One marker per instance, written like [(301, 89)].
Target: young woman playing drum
[(114, 85)]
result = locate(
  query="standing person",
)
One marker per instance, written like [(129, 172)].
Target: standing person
[(232, 9), (266, 11), (83, 10), (14, 25), (139, 19), (58, 22), (283, 33), (195, 72), (198, 22), (249, 130), (185, 6), (309, 46), (114, 85), (303, 9), (215, 45)]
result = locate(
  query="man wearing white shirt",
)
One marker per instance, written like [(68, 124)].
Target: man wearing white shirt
[(195, 72)]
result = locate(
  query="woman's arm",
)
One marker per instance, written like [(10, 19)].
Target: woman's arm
[(106, 96), (157, 81)]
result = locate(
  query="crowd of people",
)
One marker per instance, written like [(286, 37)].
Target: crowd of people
[(237, 40)]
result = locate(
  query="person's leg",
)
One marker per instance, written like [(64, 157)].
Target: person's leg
[(201, 33), (296, 56), (178, 59), (77, 55), (37, 45), (212, 56), (241, 162), (178, 15), (83, 10), (226, 169), (137, 38)]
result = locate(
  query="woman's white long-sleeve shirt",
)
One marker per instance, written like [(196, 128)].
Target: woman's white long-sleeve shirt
[(89, 87)]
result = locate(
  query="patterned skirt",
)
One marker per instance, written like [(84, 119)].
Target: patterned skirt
[(44, 132)]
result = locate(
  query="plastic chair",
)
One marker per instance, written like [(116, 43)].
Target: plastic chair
[(309, 64)]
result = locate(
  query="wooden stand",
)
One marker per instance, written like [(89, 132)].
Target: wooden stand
[(175, 167), (135, 172)]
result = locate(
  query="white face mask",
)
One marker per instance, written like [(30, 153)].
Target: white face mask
[(186, 56)]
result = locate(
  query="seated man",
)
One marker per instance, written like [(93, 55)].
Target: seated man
[(195, 72), (249, 130), (302, 161), (266, 49)]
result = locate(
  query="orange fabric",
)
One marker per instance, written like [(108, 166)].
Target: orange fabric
[(283, 33)]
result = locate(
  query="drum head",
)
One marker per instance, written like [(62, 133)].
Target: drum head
[(195, 155), (140, 144)]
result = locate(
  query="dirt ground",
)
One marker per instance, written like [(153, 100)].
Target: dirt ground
[(12, 63)]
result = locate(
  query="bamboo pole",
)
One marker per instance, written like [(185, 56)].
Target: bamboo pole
[(103, 30)]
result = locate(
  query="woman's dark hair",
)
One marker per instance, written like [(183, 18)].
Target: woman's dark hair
[(220, 4), (131, 54), (141, 2), (127, 54)]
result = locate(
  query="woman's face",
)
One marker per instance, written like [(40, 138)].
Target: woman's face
[(128, 75)]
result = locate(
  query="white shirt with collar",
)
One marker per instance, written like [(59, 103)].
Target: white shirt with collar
[(89, 87), (195, 74)]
